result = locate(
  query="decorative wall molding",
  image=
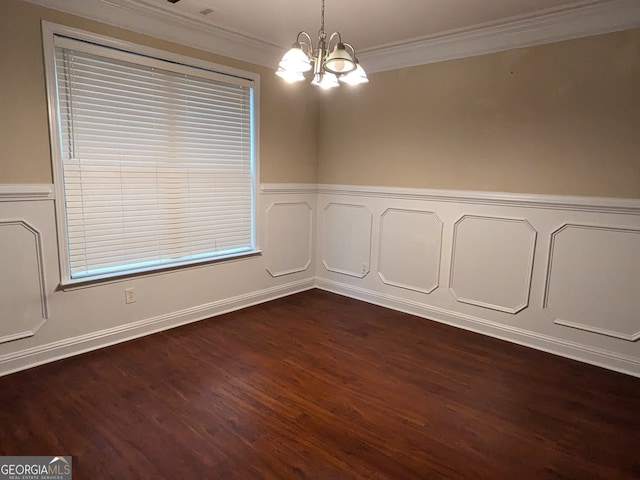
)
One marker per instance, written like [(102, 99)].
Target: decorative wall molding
[(432, 282), (598, 283), (27, 308), (627, 206), (579, 19), (286, 251), (26, 192), (553, 202), (602, 331), (347, 261), (68, 347), (480, 281)]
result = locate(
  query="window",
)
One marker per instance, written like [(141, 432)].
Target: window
[(154, 157)]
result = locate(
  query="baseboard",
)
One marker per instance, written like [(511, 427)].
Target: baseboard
[(593, 356), (69, 347)]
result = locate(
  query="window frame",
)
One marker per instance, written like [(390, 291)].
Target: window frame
[(49, 32)]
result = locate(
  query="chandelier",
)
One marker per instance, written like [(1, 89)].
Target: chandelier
[(330, 67)]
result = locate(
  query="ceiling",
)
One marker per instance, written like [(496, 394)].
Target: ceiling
[(366, 24), (386, 34)]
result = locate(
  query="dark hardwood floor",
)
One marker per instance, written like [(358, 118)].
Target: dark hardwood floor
[(320, 386)]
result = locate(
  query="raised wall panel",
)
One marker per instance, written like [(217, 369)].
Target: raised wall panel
[(23, 295), (410, 249), (289, 238), (593, 280), (492, 262), (346, 246)]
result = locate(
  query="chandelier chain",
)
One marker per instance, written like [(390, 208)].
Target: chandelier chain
[(322, 18)]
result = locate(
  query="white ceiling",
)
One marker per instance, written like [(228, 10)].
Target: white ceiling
[(386, 34), (366, 24)]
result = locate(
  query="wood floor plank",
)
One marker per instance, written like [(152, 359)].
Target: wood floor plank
[(320, 386)]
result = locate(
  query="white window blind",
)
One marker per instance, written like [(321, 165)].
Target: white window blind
[(157, 161)]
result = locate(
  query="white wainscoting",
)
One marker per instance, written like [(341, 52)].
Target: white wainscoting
[(561, 274), (39, 322)]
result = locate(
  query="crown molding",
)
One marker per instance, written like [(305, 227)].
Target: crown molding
[(576, 20), (153, 21), (579, 19)]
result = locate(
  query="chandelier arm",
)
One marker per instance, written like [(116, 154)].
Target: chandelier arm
[(305, 35), (348, 46), (333, 35), (306, 48)]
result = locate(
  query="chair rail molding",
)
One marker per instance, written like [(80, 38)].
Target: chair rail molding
[(628, 206), (288, 188), (26, 192)]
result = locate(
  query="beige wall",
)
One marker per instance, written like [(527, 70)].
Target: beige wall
[(557, 119), (554, 119), (288, 120)]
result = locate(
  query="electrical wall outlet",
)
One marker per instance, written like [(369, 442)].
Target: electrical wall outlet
[(130, 295)]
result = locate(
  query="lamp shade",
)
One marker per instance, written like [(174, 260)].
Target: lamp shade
[(356, 77), (289, 76), (295, 60), (339, 61), (325, 81)]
